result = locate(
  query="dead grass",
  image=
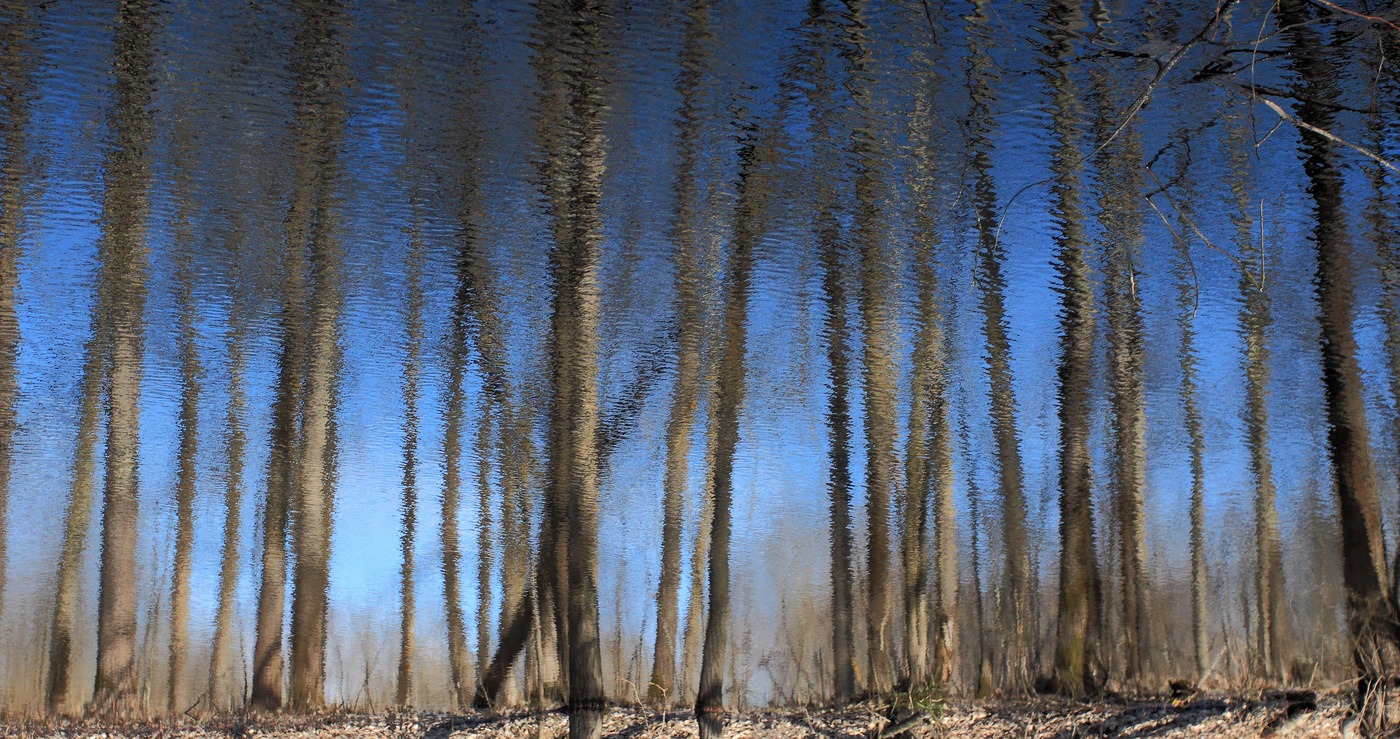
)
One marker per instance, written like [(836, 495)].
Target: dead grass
[(1210, 716)]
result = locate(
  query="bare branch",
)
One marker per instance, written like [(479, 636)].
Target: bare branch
[(1329, 136)]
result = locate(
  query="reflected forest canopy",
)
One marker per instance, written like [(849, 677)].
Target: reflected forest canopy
[(703, 353)]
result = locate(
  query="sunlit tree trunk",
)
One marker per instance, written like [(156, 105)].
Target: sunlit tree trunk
[(1270, 613), (729, 401), (1077, 660), (1014, 622), (17, 86), (122, 254), (220, 659), (189, 440), (690, 310), (1120, 217), (413, 326), (1186, 302), (1371, 614), (317, 125), (462, 682), (928, 623)]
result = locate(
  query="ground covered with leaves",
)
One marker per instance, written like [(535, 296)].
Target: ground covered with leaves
[(1229, 717)]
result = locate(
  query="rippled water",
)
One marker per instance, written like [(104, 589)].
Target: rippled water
[(341, 345)]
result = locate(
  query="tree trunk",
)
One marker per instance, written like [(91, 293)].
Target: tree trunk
[(1195, 429), (462, 683), (1255, 318), (1371, 614), (1120, 217), (1077, 640), (1014, 618), (15, 76), (318, 124), (690, 310), (189, 441), (123, 271), (219, 662), (729, 400), (412, 369)]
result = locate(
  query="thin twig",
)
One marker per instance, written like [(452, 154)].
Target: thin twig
[(1192, 224), (1329, 136), (1185, 250), (1340, 9), (1137, 105)]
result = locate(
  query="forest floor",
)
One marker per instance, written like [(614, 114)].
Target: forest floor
[(1209, 716)]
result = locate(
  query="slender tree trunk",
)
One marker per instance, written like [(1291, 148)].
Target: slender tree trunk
[(1121, 219), (690, 311), (485, 557), (1077, 661), (15, 76), (1255, 318), (1195, 431), (413, 325), (318, 125), (1371, 614), (189, 444), (462, 682), (729, 400), (122, 255), (219, 662)]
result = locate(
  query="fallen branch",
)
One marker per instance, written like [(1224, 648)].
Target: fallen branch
[(1328, 135)]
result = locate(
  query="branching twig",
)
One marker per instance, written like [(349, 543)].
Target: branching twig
[(1328, 135), (1192, 224), (1162, 71), (1340, 9), (1195, 279)]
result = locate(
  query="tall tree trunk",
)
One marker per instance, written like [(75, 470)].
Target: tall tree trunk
[(729, 400), (15, 77), (1077, 641), (485, 556), (1195, 428), (189, 439), (1270, 613), (122, 256), (408, 531), (219, 690), (462, 683), (928, 628), (1014, 618), (573, 476), (1372, 616), (879, 369), (1120, 216), (318, 123), (690, 310)]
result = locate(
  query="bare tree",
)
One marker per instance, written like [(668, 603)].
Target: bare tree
[(690, 309), (318, 122), (1372, 616), (17, 82), (413, 328), (123, 274), (1076, 655), (189, 429), (751, 201)]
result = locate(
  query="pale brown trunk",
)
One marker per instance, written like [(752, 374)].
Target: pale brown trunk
[(1014, 623), (729, 401), (1195, 433), (1371, 614), (690, 309), (462, 682), (189, 447), (1077, 658), (123, 271), (485, 558), (408, 528), (318, 123), (1120, 217), (17, 85), (219, 691), (1270, 613)]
